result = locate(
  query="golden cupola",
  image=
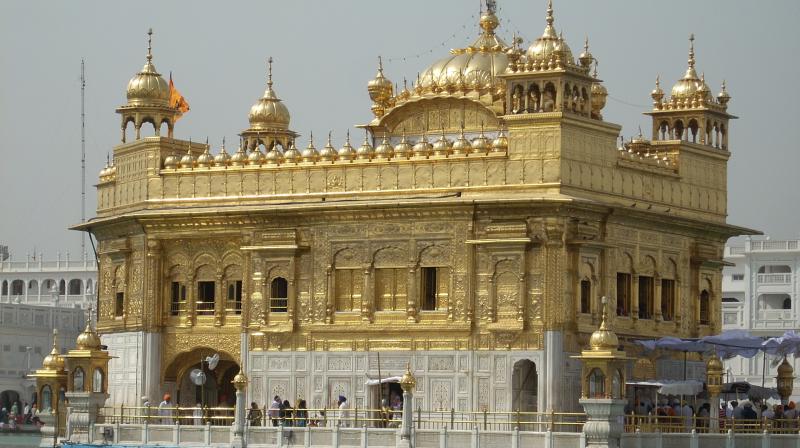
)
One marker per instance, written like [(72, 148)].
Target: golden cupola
[(380, 91), (690, 85), (269, 119), (88, 340), (148, 88), (269, 112), (53, 361), (550, 50), (148, 100)]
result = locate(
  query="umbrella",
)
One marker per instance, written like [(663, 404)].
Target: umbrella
[(735, 343), (753, 392), (784, 345)]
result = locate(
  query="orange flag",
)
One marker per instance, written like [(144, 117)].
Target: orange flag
[(176, 100)]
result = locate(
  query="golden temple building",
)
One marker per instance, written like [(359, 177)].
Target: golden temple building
[(472, 233)]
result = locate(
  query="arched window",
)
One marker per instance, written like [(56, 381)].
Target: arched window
[(278, 295), (77, 380), (667, 299), (678, 130), (586, 295), (704, 308), (62, 287), (17, 288), (597, 384), (97, 380), (75, 287), (787, 303), (5, 288), (47, 398), (646, 302)]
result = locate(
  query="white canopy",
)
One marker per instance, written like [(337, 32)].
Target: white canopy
[(672, 387), (391, 379)]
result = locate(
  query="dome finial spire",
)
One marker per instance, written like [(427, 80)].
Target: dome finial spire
[(550, 13), (150, 44), (691, 50), (269, 72)]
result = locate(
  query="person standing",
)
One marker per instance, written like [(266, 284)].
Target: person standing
[(254, 415), (344, 412), (301, 414), (165, 410), (275, 410)]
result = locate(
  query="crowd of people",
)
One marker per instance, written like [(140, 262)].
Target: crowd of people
[(11, 418), (682, 416), (281, 413)]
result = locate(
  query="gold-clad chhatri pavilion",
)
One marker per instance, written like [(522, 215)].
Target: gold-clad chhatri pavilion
[(472, 234)]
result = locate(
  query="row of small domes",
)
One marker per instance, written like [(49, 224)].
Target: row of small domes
[(385, 150)]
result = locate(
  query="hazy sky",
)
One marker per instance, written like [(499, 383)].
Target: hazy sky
[(325, 52)]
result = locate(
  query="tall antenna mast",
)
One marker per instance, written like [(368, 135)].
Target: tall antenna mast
[(83, 158)]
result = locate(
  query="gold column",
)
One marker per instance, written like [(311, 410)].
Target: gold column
[(219, 300), (411, 293)]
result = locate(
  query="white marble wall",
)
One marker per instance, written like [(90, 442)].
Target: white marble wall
[(133, 371), (465, 380)]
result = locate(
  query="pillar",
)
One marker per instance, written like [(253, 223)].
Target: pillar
[(239, 383), (407, 382)]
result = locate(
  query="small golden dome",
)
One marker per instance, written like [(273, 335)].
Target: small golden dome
[(380, 88), (385, 149), (422, 148), (480, 144), (105, 171), (188, 160), (274, 155), (310, 153), (714, 364), (586, 57), (269, 112), (148, 88), (688, 86), (549, 46), (657, 94), (347, 152), (88, 340), (365, 151), (205, 159), (171, 162), (403, 149), (462, 145), (292, 154), (53, 361), (442, 146), (500, 143), (256, 157), (222, 158), (603, 339), (723, 97), (239, 158), (599, 94), (328, 153)]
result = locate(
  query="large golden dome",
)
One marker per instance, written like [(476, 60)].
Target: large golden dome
[(550, 44), (269, 112), (148, 88), (474, 67)]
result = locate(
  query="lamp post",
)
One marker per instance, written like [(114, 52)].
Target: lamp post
[(407, 382), (785, 380), (239, 383), (714, 384)]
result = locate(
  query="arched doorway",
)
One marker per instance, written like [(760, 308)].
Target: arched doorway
[(8, 398), (217, 390), (525, 385)]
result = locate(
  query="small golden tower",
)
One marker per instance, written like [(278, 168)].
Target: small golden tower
[(785, 380), (51, 378), (603, 371)]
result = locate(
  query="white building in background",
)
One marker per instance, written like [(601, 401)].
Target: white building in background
[(36, 296), (760, 294)]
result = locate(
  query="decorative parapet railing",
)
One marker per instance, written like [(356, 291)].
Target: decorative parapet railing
[(774, 279), (88, 264), (352, 418), (774, 245)]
